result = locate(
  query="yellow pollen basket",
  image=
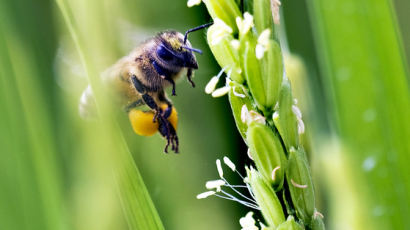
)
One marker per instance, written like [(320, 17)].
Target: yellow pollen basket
[(142, 121), (173, 118)]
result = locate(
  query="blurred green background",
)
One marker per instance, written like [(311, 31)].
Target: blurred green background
[(56, 169)]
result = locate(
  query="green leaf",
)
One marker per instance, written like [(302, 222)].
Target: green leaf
[(138, 207), (367, 85)]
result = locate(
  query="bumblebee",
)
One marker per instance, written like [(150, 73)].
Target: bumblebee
[(140, 79)]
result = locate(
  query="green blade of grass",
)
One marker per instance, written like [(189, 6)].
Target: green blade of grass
[(31, 194), (363, 65), (137, 204)]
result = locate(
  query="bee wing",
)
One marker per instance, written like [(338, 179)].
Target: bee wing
[(131, 35), (70, 74), (87, 107)]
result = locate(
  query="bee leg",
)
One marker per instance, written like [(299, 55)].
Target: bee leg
[(165, 75), (133, 105), (169, 133), (164, 99), (173, 85), (172, 137), (189, 75), (138, 85), (164, 131), (165, 127), (146, 97), (172, 82), (175, 145)]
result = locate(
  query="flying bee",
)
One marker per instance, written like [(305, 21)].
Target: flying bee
[(141, 77)]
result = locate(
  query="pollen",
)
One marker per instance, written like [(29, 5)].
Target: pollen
[(142, 122), (173, 118)]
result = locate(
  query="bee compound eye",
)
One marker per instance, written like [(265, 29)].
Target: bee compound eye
[(164, 53)]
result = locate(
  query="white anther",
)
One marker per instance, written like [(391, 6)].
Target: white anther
[(259, 51), (249, 154), (251, 116), (256, 117), (303, 186), (263, 44), (221, 91), (318, 214), (219, 168), (247, 222), (222, 30), (274, 172), (210, 87), (296, 111), (275, 4), (245, 24), (222, 25), (263, 38), (235, 44), (298, 114), (205, 194), (276, 107), (275, 116), (229, 163), (301, 126), (215, 184), (244, 114), (192, 3)]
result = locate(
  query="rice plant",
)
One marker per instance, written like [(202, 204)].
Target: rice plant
[(336, 156)]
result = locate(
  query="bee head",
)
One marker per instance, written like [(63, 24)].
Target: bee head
[(175, 49)]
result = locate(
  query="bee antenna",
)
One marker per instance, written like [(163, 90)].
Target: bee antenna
[(192, 49), (195, 29)]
